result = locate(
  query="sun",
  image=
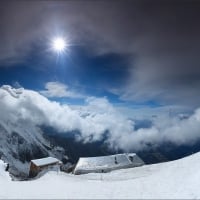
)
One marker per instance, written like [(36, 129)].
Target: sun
[(59, 44)]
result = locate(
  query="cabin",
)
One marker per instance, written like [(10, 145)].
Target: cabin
[(103, 164), (41, 164)]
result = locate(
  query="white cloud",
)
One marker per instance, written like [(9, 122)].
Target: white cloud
[(29, 109), (57, 89)]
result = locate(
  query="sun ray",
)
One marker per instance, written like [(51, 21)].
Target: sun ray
[(59, 44)]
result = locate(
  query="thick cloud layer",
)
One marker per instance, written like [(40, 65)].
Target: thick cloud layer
[(161, 36), (93, 119)]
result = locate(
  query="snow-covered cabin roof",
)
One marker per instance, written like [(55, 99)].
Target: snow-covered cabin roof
[(45, 161), (105, 161)]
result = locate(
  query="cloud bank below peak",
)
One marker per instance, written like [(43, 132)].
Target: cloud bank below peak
[(95, 118)]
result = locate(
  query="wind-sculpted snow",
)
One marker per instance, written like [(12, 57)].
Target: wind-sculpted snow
[(179, 179)]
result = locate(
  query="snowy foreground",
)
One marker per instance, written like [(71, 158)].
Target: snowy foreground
[(178, 179)]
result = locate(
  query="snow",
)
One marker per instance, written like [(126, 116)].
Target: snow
[(106, 163), (45, 161), (19, 135), (3, 174), (172, 180), (93, 162)]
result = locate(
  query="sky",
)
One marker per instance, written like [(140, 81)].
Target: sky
[(139, 55)]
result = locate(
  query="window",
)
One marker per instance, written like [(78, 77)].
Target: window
[(131, 158)]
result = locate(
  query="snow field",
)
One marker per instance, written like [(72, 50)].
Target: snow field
[(172, 180)]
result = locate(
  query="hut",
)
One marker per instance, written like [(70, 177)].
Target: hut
[(104, 164), (41, 164)]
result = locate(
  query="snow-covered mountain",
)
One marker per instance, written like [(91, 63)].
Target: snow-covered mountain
[(20, 139), (178, 179), (31, 125)]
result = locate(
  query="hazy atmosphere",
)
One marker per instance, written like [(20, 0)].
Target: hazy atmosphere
[(122, 61)]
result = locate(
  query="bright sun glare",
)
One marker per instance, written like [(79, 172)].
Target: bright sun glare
[(59, 44)]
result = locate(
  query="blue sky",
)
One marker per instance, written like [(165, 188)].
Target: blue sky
[(78, 69), (135, 55), (90, 74)]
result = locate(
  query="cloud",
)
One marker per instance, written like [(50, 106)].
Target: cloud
[(30, 109), (58, 90), (162, 37)]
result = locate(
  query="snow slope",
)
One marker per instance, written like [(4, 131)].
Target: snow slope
[(177, 179)]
